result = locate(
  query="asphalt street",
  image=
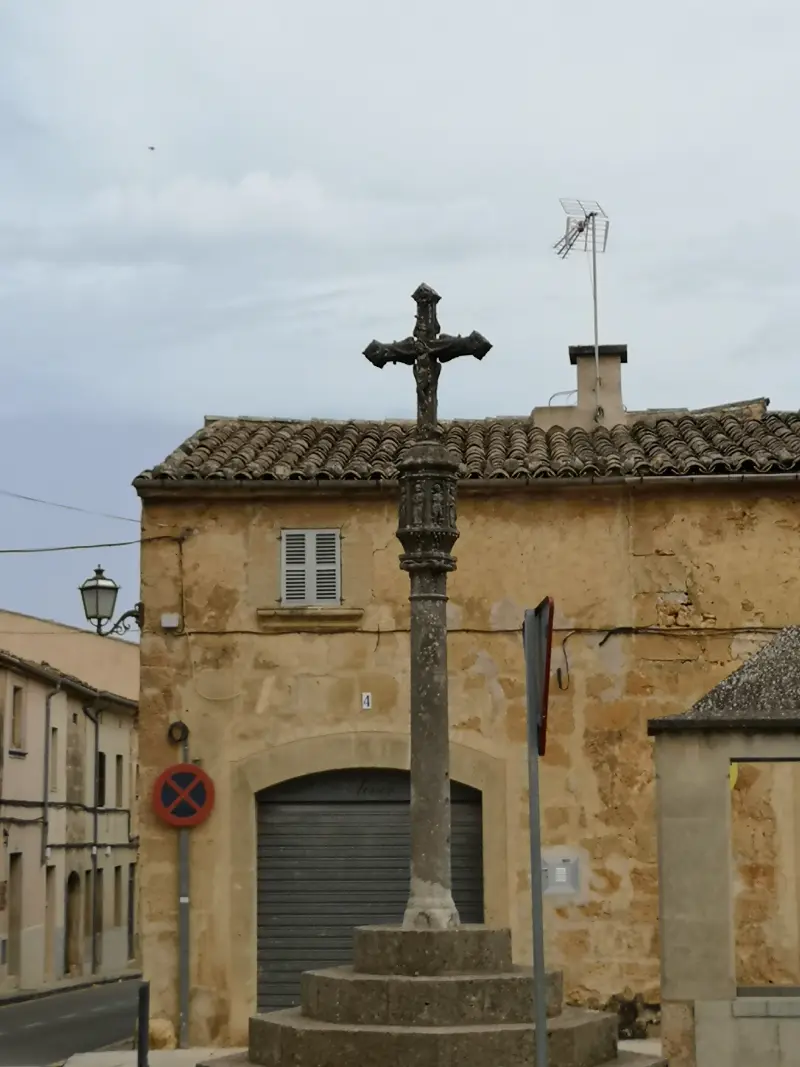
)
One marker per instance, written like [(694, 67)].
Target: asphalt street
[(49, 1030)]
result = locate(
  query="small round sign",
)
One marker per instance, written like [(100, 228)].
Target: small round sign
[(183, 795)]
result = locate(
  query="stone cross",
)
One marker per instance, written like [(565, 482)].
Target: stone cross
[(425, 351), (428, 477)]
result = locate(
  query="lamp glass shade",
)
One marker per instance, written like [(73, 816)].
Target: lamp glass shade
[(99, 595)]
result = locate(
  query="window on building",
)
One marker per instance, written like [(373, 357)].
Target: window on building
[(131, 910), (16, 912), (101, 779), (310, 567), (87, 905), (118, 896), (53, 758), (119, 783), (18, 718)]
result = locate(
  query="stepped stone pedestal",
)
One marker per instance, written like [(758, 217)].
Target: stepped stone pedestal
[(431, 998)]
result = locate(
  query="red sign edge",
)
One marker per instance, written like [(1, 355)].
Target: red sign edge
[(548, 606)]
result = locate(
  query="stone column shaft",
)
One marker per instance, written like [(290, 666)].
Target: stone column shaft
[(431, 901), (427, 531)]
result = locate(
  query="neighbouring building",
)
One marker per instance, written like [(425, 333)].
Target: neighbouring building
[(68, 835), (276, 628), (749, 722), (108, 663)]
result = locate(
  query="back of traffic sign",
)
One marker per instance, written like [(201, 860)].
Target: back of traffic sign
[(537, 636)]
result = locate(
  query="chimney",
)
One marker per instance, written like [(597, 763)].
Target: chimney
[(599, 395)]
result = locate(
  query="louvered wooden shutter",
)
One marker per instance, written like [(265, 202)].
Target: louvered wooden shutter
[(310, 567), (295, 567), (326, 566)]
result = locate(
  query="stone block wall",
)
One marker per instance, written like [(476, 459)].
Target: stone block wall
[(659, 595)]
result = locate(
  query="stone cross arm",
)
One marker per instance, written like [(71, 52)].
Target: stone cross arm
[(442, 348), (379, 354), (445, 347)]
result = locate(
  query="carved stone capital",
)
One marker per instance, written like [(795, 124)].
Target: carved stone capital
[(427, 515)]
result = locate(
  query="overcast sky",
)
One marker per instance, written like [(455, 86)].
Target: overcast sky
[(315, 161)]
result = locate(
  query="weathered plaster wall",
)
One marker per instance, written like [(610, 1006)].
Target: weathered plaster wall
[(697, 567), (765, 803), (704, 1023)]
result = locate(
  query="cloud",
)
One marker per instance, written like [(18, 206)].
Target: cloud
[(191, 219), (257, 202), (314, 162)]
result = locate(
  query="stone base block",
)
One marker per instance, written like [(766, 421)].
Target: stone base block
[(341, 995), (624, 1059), (576, 1038), (465, 950)]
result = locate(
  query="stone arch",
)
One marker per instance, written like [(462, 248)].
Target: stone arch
[(312, 755)]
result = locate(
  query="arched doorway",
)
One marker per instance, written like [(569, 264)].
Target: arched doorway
[(333, 853), (73, 954)]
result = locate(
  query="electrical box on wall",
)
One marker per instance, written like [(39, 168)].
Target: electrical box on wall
[(561, 874)]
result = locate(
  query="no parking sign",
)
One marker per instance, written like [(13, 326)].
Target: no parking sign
[(183, 796)]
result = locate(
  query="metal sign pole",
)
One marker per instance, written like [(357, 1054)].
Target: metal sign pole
[(536, 704), (537, 904), (143, 1026), (183, 797), (183, 926)]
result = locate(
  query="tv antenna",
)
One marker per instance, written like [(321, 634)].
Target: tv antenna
[(587, 230)]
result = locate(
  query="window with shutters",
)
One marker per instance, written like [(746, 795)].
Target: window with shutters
[(310, 568)]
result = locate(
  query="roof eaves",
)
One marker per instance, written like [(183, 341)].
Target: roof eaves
[(161, 486), (62, 626), (676, 724), (44, 672)]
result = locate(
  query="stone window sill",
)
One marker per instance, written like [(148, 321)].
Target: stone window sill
[(310, 620), (17, 753)]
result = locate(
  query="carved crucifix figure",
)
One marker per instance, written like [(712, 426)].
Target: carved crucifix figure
[(425, 351)]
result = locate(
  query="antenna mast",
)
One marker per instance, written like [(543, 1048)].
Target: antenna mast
[(586, 228)]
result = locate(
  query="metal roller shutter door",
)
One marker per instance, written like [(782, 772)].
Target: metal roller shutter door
[(333, 853)]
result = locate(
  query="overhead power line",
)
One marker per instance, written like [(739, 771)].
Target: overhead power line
[(80, 548), (65, 548), (66, 507)]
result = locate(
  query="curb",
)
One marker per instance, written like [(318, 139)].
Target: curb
[(116, 1046), (52, 991), (126, 1045)]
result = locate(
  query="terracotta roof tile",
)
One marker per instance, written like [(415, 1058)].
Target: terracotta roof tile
[(723, 442)]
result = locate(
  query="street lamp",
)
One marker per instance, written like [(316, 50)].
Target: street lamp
[(99, 596)]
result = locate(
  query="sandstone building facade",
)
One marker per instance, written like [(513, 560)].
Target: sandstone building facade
[(276, 628)]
